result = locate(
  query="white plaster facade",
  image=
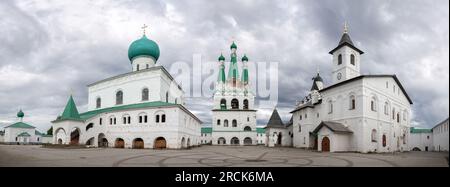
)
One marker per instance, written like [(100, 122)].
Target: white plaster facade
[(421, 140), (440, 136), (141, 109), (375, 108)]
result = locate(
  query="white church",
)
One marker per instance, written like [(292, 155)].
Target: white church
[(143, 108), (234, 116), (362, 113)]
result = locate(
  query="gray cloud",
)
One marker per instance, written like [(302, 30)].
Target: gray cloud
[(46, 49)]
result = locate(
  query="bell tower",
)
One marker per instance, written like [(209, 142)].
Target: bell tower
[(346, 59)]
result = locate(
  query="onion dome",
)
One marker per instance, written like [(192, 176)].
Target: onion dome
[(233, 46), (20, 114), (143, 47), (221, 58), (244, 59)]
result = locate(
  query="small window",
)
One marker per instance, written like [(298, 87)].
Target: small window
[(145, 94), (124, 120), (146, 66), (234, 123), (352, 59), (234, 104), (137, 67), (248, 119), (339, 59), (129, 119), (140, 119), (157, 118), (301, 117), (167, 97), (306, 116), (163, 118), (225, 123), (318, 115), (299, 128), (374, 135), (99, 103), (330, 107), (352, 103), (218, 122), (223, 104), (145, 119), (245, 104), (119, 98), (398, 117), (387, 84), (100, 121), (115, 121), (384, 140)]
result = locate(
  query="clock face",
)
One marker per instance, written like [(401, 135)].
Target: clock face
[(339, 76)]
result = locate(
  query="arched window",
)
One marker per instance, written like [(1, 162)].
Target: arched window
[(90, 125), (398, 117), (98, 103), (386, 108), (100, 121), (245, 104), (339, 59), (157, 119), (247, 128), (163, 118), (119, 98), (129, 119), (146, 66), (393, 113), (218, 122), (405, 115), (225, 123), (384, 140), (373, 104), (167, 97), (352, 59), (374, 135), (137, 67), (234, 123), (234, 104), (330, 107), (223, 104), (145, 94), (352, 105)]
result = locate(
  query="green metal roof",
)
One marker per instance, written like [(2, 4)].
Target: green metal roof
[(91, 114), (70, 111), (414, 130), (20, 125), (206, 129), (24, 134), (260, 130)]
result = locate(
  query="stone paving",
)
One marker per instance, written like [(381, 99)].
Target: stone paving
[(210, 156)]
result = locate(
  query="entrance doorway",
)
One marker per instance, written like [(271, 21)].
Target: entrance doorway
[(138, 143), (120, 143), (325, 144), (247, 141), (160, 143), (234, 141)]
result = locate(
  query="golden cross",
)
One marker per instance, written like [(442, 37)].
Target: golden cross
[(144, 27)]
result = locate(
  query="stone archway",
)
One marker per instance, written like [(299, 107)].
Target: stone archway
[(138, 143), (160, 143), (221, 141), (183, 143), (248, 141), (325, 144), (119, 143), (60, 136), (234, 141), (90, 141), (102, 141), (75, 136), (188, 143)]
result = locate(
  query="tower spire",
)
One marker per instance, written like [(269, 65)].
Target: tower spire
[(345, 27)]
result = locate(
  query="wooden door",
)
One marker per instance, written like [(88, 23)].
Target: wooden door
[(138, 144), (325, 144), (120, 144), (160, 144)]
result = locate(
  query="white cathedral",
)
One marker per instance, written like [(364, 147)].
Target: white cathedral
[(362, 113), (234, 116), (140, 109)]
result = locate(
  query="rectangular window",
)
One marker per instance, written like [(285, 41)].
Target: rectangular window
[(124, 120), (100, 121), (145, 119), (140, 119), (129, 119)]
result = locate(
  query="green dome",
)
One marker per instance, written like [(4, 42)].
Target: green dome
[(143, 46), (233, 46), (20, 114), (221, 58), (245, 58)]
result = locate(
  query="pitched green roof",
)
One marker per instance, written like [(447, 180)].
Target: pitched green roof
[(206, 129), (93, 113), (70, 111), (260, 130), (20, 125), (414, 130), (24, 134)]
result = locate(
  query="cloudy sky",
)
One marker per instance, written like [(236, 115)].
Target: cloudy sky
[(48, 48)]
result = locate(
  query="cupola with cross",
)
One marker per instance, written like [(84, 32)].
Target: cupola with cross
[(143, 53)]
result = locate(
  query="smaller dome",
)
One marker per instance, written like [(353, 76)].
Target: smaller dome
[(20, 114), (233, 46), (221, 58), (244, 58)]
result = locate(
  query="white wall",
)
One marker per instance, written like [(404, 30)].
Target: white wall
[(440, 137), (421, 141)]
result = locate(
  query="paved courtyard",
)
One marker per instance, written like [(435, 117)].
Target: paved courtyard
[(210, 156)]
